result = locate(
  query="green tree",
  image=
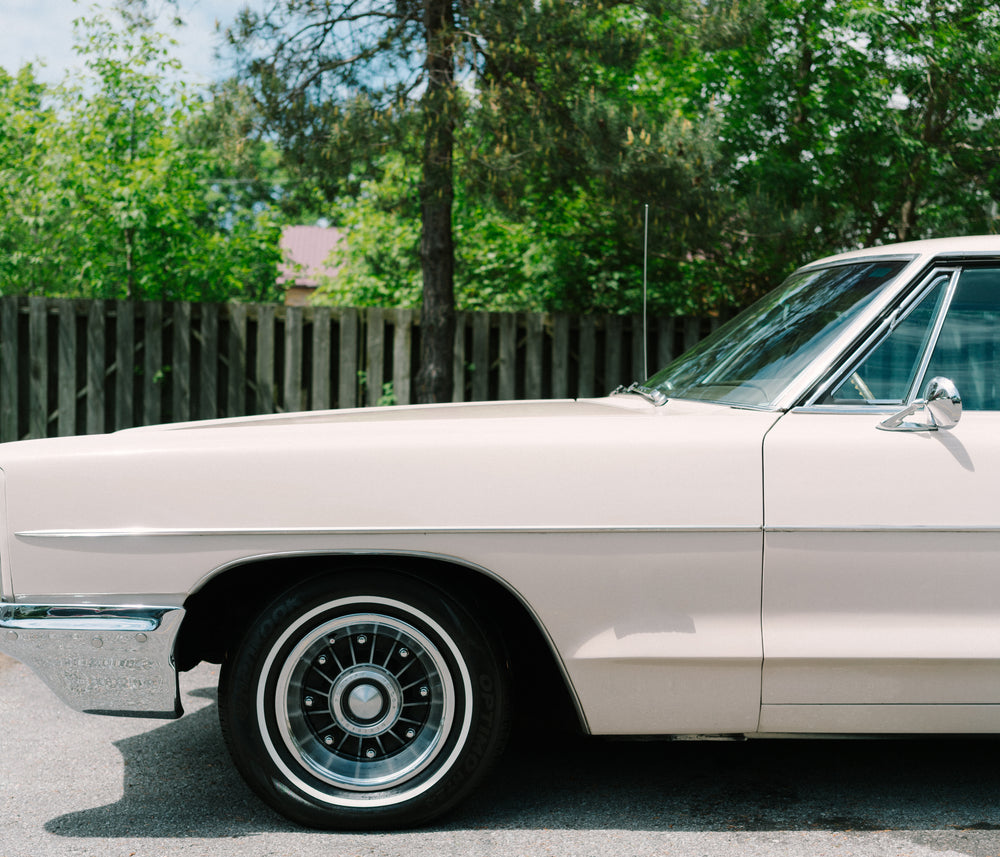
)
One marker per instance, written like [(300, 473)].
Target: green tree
[(112, 199), (847, 124), (34, 208)]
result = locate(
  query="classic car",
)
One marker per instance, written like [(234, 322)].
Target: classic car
[(793, 529)]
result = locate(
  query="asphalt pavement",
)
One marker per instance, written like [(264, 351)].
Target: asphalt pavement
[(81, 785)]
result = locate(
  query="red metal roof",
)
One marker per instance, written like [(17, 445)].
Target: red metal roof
[(306, 251)]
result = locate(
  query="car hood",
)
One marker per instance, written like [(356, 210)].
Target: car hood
[(614, 462)]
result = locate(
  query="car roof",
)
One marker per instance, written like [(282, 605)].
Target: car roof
[(960, 246)]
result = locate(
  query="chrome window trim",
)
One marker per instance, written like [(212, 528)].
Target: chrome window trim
[(819, 366), (862, 351), (932, 340), (873, 409)]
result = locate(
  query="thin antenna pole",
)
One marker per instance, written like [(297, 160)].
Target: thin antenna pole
[(645, 328)]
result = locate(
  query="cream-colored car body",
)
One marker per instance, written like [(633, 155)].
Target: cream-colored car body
[(695, 568), (642, 568)]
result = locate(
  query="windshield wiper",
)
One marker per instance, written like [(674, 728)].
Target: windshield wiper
[(650, 394)]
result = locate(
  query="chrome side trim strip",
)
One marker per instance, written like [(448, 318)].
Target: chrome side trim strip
[(134, 532), (99, 659), (63, 617), (890, 528), (490, 531)]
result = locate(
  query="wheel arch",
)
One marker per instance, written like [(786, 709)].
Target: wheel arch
[(220, 609)]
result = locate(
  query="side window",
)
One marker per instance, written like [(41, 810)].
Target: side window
[(886, 375), (968, 349)]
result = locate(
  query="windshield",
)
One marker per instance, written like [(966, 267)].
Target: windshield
[(754, 357)]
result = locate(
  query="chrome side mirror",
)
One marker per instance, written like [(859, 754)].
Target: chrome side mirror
[(941, 402)]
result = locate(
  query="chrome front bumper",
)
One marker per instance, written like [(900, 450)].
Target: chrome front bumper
[(99, 659)]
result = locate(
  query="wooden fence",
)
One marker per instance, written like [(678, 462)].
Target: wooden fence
[(74, 367)]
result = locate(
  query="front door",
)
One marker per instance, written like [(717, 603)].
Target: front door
[(881, 587)]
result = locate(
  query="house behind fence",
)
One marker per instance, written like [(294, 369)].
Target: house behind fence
[(84, 366)]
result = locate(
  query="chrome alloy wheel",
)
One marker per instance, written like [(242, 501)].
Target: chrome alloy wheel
[(365, 701)]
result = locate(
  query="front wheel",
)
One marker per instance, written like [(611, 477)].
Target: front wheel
[(363, 701)]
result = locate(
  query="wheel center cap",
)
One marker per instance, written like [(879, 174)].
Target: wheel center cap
[(365, 702)]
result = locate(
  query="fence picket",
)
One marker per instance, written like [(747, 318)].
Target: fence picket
[(236, 362), (480, 357), (458, 365), (9, 369), (124, 364), (560, 357), (152, 364), (533, 357), (38, 360), (95, 367), (402, 351), (208, 398), (293, 359), (264, 378), (181, 364), (588, 361), (613, 353), (347, 379), (664, 342), (321, 354), (375, 347), (66, 368), (507, 387)]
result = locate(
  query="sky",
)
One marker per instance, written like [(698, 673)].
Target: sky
[(33, 30)]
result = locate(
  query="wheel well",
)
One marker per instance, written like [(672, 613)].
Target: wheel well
[(219, 613)]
